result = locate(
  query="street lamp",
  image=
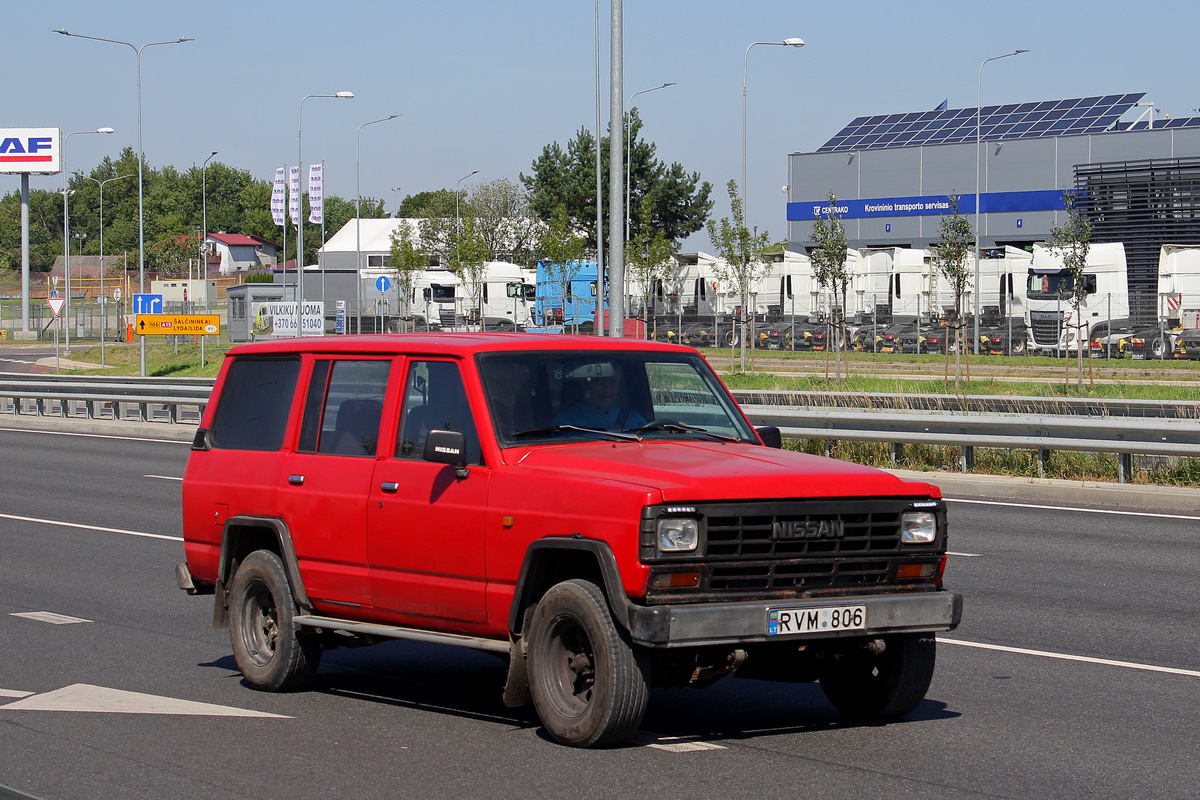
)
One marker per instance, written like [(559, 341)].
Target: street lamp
[(104, 313), (792, 42), (628, 166), (457, 216), (300, 213), (358, 193), (204, 221), (67, 228), (978, 199), (141, 216)]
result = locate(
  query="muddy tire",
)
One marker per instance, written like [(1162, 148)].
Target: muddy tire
[(590, 684)]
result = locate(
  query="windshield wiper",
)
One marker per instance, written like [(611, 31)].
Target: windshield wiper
[(683, 427), (625, 437)]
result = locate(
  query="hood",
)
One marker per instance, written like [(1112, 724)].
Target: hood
[(711, 471)]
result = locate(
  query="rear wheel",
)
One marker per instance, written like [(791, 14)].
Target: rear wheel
[(1158, 347), (885, 686), (272, 651), (590, 684)]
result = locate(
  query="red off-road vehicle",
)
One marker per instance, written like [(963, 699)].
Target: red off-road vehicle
[(598, 511)]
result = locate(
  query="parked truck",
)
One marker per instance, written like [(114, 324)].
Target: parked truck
[(1173, 333), (1104, 308)]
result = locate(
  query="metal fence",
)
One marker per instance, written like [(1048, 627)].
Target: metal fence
[(1125, 428)]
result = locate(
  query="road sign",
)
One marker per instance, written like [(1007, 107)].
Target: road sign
[(116, 294), (177, 324), (382, 283), (56, 304), (147, 303)]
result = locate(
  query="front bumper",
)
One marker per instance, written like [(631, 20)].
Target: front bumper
[(745, 622)]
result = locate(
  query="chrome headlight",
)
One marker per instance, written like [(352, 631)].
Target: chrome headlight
[(918, 527), (678, 534)]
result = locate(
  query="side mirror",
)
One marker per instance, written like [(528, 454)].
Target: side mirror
[(771, 437), (447, 447)]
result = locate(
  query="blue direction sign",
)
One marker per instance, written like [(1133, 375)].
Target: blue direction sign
[(147, 304), (383, 284)]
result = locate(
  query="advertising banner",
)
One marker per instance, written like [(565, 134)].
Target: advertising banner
[(278, 319), (993, 202), (316, 194), (294, 200), (279, 197), (37, 151)]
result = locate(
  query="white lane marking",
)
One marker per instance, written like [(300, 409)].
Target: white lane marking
[(49, 616), (674, 744), (13, 693), (61, 524), (1107, 662), (163, 477), (964, 555), (1069, 508), (102, 700), (96, 435)]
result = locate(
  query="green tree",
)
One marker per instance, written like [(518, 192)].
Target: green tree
[(468, 253), (407, 262), (504, 220), (950, 251), (829, 267), (648, 259), (680, 200), (437, 203), (741, 252), (562, 251), (1072, 240)]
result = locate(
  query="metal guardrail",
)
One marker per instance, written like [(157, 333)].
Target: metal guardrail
[(1125, 427), (973, 404), (1039, 432), (171, 400)]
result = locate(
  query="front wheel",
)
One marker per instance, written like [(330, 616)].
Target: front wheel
[(590, 684), (886, 686), (272, 651)]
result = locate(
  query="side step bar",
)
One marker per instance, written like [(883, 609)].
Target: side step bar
[(397, 632)]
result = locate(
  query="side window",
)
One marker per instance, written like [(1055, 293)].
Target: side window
[(343, 406), (256, 400), (435, 399)]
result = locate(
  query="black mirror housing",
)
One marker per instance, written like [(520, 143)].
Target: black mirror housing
[(771, 437), (447, 447)]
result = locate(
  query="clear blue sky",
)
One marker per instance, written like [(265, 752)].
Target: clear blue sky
[(485, 85)]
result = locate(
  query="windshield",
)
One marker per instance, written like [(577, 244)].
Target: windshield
[(1050, 284), (610, 396)]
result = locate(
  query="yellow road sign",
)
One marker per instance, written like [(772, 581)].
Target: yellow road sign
[(178, 324)]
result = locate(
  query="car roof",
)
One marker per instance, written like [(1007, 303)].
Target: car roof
[(460, 345)]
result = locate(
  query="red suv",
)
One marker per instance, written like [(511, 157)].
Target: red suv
[(598, 511)]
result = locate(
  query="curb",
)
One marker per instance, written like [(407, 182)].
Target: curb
[(1114, 496), (163, 431)]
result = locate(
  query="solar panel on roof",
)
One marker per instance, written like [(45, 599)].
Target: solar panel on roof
[(1008, 121)]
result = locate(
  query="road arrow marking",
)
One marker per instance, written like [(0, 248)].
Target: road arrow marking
[(13, 693), (49, 616), (102, 700)]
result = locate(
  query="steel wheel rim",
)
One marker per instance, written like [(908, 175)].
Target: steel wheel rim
[(572, 662), (260, 624)]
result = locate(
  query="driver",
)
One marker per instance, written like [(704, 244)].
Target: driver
[(599, 407)]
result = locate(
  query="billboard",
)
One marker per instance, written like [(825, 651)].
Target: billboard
[(37, 151)]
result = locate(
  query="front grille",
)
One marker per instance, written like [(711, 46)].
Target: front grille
[(1046, 326), (791, 548)]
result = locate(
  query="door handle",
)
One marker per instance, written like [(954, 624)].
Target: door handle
[(390, 488), (296, 480)]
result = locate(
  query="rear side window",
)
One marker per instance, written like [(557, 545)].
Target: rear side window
[(256, 398), (344, 405)]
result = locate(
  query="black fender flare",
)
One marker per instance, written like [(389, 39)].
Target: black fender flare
[(276, 530)]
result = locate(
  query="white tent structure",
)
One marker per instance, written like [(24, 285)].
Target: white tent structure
[(370, 237)]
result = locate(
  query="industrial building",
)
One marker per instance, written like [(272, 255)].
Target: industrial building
[(1137, 178)]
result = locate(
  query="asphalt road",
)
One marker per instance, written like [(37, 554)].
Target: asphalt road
[(1076, 673)]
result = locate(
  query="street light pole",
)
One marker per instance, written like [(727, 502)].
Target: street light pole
[(978, 199), (628, 166), (67, 229), (141, 215), (358, 194), (300, 212), (457, 217), (792, 42), (103, 302)]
